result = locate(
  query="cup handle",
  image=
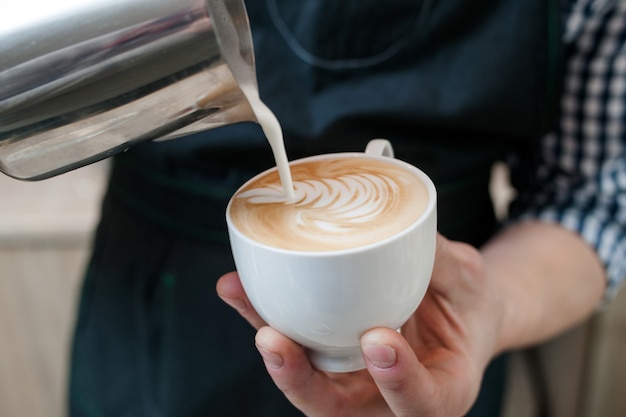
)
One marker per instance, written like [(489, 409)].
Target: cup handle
[(381, 147)]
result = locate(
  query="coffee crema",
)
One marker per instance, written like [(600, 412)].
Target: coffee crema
[(339, 202)]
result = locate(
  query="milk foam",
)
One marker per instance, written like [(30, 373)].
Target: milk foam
[(337, 204), (331, 204)]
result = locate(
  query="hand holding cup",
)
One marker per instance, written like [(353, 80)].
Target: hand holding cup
[(353, 250)]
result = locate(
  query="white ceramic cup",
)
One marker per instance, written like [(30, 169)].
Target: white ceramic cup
[(326, 300)]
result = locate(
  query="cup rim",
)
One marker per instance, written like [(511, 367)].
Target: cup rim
[(429, 211)]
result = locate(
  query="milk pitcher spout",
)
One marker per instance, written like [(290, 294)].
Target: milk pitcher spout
[(83, 80)]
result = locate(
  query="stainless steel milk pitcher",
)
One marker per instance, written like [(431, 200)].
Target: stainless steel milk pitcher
[(81, 80)]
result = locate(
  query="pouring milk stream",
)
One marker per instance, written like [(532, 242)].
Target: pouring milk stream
[(245, 74)]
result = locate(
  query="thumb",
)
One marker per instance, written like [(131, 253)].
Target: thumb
[(404, 382)]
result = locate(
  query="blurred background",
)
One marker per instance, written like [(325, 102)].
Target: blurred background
[(45, 236)]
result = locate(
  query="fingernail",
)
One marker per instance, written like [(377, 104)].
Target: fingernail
[(379, 355), (271, 359), (236, 303)]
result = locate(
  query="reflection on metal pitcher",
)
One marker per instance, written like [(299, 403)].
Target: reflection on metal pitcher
[(84, 84)]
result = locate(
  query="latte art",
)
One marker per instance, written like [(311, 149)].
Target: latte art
[(338, 203), (332, 205)]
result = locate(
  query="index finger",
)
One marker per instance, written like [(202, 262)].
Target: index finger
[(230, 290)]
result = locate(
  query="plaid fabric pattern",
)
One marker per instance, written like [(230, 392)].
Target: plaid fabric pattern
[(579, 178)]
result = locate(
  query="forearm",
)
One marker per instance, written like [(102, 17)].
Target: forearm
[(548, 279)]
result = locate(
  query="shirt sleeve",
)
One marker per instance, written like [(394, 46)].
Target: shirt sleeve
[(577, 176)]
